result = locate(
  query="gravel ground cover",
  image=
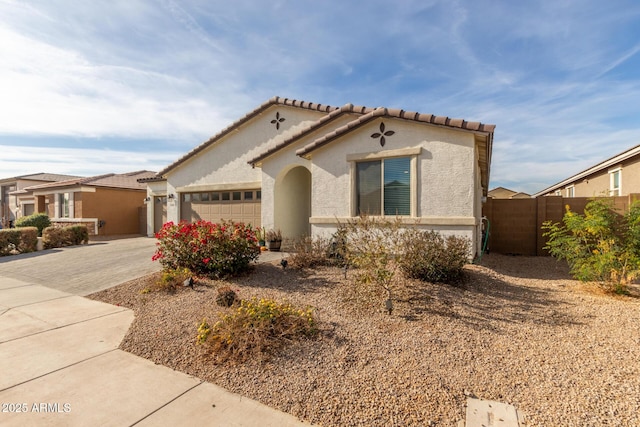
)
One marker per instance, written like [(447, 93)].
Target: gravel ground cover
[(517, 330)]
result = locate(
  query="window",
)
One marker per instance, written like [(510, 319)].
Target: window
[(237, 195), (248, 195), (571, 191), (615, 182), (384, 186), (63, 205)]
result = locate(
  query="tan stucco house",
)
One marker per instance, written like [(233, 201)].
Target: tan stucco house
[(107, 204), (506, 193), (15, 202), (303, 168), (617, 176)]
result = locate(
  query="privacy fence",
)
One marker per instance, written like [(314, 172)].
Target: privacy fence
[(515, 225)]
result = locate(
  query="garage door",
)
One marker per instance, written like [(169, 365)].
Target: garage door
[(215, 206)]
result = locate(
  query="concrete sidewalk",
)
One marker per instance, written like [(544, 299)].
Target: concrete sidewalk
[(61, 366)]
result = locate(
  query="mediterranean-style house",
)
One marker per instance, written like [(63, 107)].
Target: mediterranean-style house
[(617, 176), (107, 204), (303, 168), (14, 202)]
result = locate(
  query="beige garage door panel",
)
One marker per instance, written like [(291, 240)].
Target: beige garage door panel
[(216, 206)]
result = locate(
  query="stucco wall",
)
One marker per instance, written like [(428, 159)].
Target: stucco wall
[(445, 170), (225, 162)]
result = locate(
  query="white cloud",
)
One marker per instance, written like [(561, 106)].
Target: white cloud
[(23, 160)]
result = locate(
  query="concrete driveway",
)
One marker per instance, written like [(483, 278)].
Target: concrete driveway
[(82, 270)]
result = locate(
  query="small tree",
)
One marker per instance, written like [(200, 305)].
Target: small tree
[(599, 246)]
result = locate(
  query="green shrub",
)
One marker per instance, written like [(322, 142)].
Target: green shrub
[(38, 220), (431, 257), (57, 237), (171, 279), (18, 240), (207, 249), (600, 246), (255, 329)]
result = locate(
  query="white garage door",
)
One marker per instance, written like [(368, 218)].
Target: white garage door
[(215, 206)]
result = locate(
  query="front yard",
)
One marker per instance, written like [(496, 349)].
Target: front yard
[(518, 330)]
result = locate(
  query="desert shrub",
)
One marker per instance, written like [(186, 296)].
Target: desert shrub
[(78, 234), (9, 240), (207, 249), (226, 297), (600, 246), (310, 252), (28, 239), (371, 245), (18, 240), (57, 237), (170, 279), (432, 257), (255, 329), (38, 220)]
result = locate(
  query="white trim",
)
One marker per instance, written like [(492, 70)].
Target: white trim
[(571, 188), (612, 172)]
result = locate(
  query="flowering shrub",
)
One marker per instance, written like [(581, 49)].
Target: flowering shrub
[(255, 328), (206, 248)]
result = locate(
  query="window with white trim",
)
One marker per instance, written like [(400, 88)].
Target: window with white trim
[(383, 187), (63, 205), (615, 182), (571, 191)]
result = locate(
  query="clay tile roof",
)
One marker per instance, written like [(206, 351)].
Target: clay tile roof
[(393, 112), (276, 100)]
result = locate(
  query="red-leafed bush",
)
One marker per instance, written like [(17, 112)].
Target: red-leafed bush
[(206, 248)]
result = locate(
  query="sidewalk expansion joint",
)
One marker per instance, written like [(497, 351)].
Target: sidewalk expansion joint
[(57, 370), (122, 309), (168, 403)]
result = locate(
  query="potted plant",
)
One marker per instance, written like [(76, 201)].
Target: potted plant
[(260, 235), (274, 240)]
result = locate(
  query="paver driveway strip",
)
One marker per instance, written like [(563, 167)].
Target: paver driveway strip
[(85, 269)]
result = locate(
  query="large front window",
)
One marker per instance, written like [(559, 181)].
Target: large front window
[(384, 187)]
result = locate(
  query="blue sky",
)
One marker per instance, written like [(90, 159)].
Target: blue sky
[(90, 87)]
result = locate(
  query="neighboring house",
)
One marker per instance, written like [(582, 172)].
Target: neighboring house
[(304, 168), (14, 202), (108, 204), (505, 193), (616, 176)]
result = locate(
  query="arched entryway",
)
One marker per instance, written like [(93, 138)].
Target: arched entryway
[(292, 202)]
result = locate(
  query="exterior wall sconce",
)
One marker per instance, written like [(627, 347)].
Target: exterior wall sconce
[(171, 196), (147, 200)]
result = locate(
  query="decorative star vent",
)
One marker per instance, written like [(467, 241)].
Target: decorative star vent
[(277, 120), (382, 134)]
